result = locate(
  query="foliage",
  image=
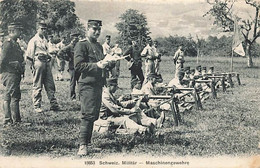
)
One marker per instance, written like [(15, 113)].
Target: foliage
[(58, 14), (222, 12), (60, 17), (23, 11), (212, 46), (170, 45), (132, 26)]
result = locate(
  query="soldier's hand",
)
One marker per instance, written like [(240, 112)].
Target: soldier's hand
[(102, 64)]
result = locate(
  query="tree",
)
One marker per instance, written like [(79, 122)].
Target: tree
[(58, 14), (132, 26), (23, 11), (222, 12), (60, 17)]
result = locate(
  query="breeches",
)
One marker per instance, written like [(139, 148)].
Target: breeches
[(61, 64), (11, 82), (42, 75), (90, 100)]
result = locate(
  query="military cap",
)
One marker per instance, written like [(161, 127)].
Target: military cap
[(198, 67), (112, 81), (192, 70), (204, 68), (42, 24), (74, 34), (211, 68), (15, 25), (94, 23), (187, 69)]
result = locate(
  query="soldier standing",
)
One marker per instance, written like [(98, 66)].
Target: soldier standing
[(150, 53), (39, 59), (88, 60), (12, 68), (178, 60), (106, 46), (61, 62), (135, 63), (67, 53)]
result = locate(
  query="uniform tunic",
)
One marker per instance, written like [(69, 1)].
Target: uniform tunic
[(87, 53), (42, 75), (136, 69), (11, 75), (68, 54)]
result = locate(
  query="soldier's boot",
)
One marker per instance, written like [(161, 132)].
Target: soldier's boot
[(7, 113), (16, 111)]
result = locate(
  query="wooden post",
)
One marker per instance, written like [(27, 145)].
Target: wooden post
[(238, 79), (213, 89), (197, 100), (175, 112), (223, 84), (229, 76)]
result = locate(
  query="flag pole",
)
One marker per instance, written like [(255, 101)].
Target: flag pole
[(232, 54)]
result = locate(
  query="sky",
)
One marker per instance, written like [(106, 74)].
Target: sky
[(164, 17)]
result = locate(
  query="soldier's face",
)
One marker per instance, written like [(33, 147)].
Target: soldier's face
[(94, 31), (42, 31), (15, 33)]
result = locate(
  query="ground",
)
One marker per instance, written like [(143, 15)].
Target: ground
[(228, 125)]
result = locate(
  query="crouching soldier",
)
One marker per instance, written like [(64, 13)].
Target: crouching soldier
[(126, 114), (12, 69)]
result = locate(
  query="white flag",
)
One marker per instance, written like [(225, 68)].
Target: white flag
[(237, 40)]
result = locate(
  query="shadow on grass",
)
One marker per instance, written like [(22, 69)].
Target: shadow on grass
[(39, 147)]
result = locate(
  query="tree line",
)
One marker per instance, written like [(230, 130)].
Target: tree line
[(212, 46)]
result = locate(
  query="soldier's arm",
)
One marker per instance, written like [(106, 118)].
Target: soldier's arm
[(144, 52), (6, 48), (128, 52), (114, 108), (30, 50), (80, 63), (63, 53)]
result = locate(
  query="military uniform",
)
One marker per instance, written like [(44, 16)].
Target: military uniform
[(150, 53), (60, 62), (136, 67), (37, 52), (87, 53), (12, 68), (68, 54), (179, 60)]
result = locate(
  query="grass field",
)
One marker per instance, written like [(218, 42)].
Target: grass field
[(228, 125)]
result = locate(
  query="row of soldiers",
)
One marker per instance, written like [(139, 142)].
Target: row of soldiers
[(89, 64)]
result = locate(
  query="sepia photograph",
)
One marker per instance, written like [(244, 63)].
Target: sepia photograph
[(130, 83)]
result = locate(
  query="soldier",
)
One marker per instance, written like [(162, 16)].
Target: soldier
[(150, 53), (158, 58), (197, 70), (39, 59), (204, 71), (61, 62), (88, 60), (12, 67), (134, 62), (67, 53), (178, 60), (126, 113), (211, 70), (53, 50), (115, 72), (106, 46)]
